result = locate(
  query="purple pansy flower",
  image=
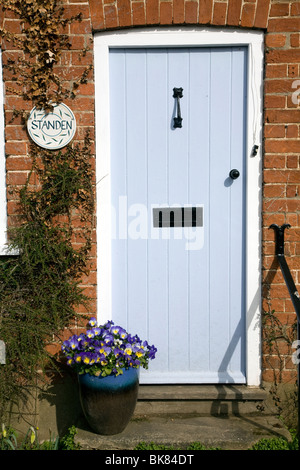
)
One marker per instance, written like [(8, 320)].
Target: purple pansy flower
[(107, 349)]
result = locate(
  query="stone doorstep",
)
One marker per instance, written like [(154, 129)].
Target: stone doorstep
[(177, 415), (199, 399)]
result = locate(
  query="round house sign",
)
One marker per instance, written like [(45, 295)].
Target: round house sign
[(52, 130)]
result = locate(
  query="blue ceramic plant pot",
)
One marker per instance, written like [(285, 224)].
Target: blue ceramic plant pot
[(109, 402)]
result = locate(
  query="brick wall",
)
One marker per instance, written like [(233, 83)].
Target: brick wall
[(281, 178)]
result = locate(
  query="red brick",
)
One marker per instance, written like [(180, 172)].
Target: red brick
[(292, 131), (15, 133), (152, 12), (274, 101), (16, 102), (269, 375), (13, 26), (234, 12), (283, 115), (138, 13), (13, 208), (81, 27), (295, 40), (77, 42), (292, 191), (278, 86), (191, 12), (16, 178), (15, 148), (2, 17), (292, 161), (110, 16), (86, 89), (274, 131), (124, 13), (274, 191), (284, 24), (205, 11), (248, 12), (279, 9), (295, 9), (282, 146), (277, 205), (166, 13), (73, 10), (275, 40), (178, 11), (293, 70), (274, 161), (97, 14), (71, 72), (278, 176), (262, 12), (18, 163), (81, 59), (219, 14), (85, 118), (276, 70)]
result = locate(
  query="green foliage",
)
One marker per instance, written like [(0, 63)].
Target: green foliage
[(276, 443), (40, 288), (67, 442), (273, 443), (8, 440), (31, 442)]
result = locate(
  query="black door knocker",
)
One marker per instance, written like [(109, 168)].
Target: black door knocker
[(177, 93)]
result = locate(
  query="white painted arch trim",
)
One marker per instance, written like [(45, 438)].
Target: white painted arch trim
[(187, 37)]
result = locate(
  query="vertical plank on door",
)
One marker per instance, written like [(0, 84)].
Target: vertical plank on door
[(119, 178), (199, 184), (219, 217), (179, 321), (157, 147)]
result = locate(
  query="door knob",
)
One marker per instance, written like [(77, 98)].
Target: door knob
[(234, 174)]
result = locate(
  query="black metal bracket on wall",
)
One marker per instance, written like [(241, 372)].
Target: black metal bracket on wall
[(279, 251), (279, 231)]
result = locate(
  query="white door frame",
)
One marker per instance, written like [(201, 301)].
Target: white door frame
[(186, 37)]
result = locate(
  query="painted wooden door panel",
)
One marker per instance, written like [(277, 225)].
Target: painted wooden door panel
[(180, 287)]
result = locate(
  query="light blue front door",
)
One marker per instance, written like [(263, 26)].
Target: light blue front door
[(178, 230)]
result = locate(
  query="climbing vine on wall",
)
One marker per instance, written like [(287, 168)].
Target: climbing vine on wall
[(40, 285), (42, 40)]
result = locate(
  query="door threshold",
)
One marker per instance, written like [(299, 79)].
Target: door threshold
[(201, 392), (199, 400)]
